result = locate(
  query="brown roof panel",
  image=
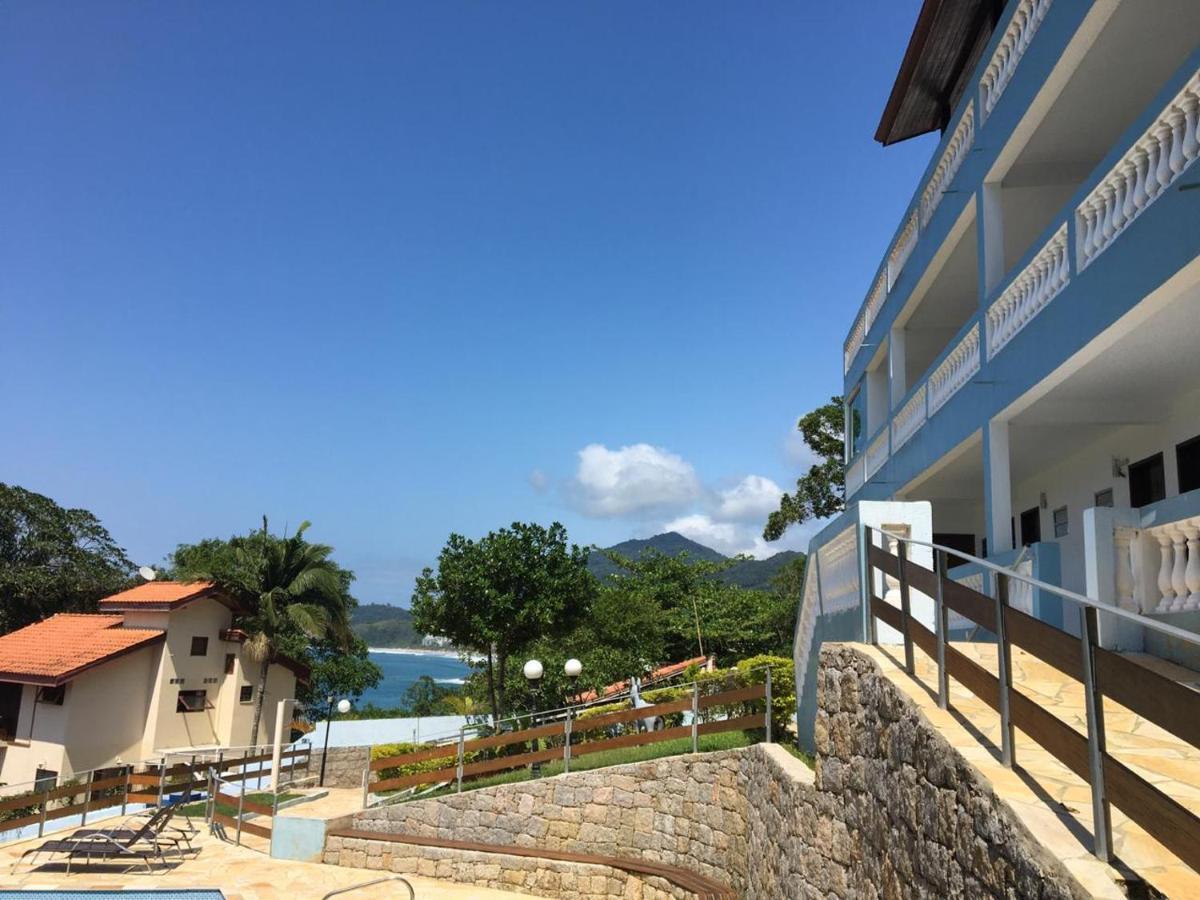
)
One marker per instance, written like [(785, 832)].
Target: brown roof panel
[(158, 595)]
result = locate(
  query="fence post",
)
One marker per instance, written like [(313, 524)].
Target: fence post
[(943, 623), (1004, 669), (42, 823), (695, 717), (87, 797), (905, 607), (768, 721), (567, 743), (241, 801), (162, 781), (366, 786), (1094, 704), (125, 795), (458, 768), (864, 583)]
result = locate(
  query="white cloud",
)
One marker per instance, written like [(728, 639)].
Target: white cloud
[(539, 480), (724, 537), (633, 479), (751, 500)]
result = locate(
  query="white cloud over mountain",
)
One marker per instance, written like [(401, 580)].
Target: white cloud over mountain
[(637, 479), (751, 500)]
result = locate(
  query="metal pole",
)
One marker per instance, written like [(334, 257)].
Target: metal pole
[(458, 769), (162, 780), (325, 752), (768, 716), (905, 608), (366, 787), (87, 797), (241, 801), (567, 743), (695, 717), (864, 583), (1004, 667), (125, 795), (42, 823), (943, 621), (1094, 704)]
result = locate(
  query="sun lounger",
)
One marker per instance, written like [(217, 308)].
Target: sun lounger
[(142, 845)]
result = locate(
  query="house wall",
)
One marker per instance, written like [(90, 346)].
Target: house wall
[(39, 741), (106, 710)]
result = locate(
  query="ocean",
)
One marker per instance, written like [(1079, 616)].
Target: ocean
[(401, 668)]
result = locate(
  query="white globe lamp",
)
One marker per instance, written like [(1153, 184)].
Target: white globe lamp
[(343, 706), (573, 668), (533, 670)]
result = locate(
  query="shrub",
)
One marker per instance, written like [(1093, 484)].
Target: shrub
[(383, 751)]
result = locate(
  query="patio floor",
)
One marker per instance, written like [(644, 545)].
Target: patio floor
[(1050, 799), (241, 873)]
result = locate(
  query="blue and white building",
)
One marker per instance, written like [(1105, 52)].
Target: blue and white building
[(1022, 376)]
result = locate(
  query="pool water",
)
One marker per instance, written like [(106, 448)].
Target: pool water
[(113, 895)]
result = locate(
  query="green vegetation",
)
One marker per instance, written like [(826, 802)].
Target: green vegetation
[(822, 491), (53, 559), (381, 625), (266, 798), (753, 574)]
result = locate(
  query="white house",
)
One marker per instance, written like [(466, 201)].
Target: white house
[(160, 668)]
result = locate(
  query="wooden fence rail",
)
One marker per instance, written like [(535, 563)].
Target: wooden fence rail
[(567, 733), (1101, 673)]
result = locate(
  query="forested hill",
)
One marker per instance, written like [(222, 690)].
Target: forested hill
[(752, 573), (381, 625)]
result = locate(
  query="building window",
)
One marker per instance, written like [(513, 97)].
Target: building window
[(856, 421), (1147, 481), (199, 646), (1187, 458), (44, 779), (191, 701), (230, 660), (53, 696), (1031, 526), (177, 680), (1104, 497), (1060, 522), (247, 693)]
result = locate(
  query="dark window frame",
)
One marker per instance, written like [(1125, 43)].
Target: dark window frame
[(201, 642), (1104, 498), (52, 695), (1190, 447), (1147, 466), (246, 694), (189, 705), (1065, 524)]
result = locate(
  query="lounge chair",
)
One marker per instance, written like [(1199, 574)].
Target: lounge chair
[(142, 845), (163, 829)]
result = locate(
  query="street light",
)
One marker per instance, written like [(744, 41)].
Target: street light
[(533, 671), (343, 706)]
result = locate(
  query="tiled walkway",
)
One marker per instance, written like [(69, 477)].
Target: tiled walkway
[(1052, 801), (241, 873)]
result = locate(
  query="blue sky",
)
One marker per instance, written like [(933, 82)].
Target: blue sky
[(407, 269)]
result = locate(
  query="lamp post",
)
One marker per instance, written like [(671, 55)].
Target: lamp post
[(343, 706), (533, 671)]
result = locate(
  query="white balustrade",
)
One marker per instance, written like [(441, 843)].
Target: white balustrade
[(955, 370), (857, 335), (1016, 39), (854, 477), (875, 300), (877, 454), (1178, 580), (906, 242), (910, 417), (952, 159), (1030, 292), (1140, 177), (1125, 581)]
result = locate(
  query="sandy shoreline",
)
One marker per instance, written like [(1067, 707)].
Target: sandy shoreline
[(421, 651)]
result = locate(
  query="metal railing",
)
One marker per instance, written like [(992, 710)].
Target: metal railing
[(1161, 700), (366, 884)]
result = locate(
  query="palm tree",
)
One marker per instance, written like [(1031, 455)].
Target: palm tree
[(281, 586)]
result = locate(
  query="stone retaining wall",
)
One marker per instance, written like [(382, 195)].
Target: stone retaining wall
[(891, 811), (345, 766)]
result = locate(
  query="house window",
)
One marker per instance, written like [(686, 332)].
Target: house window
[(178, 680), (199, 646), (1187, 458), (1147, 481), (247, 693), (52, 696), (1104, 497), (191, 701), (1031, 526), (44, 779), (1060, 522), (230, 660), (856, 421)]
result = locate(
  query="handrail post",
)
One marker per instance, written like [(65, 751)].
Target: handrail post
[(87, 797), (905, 608), (1094, 705), (864, 580), (943, 623), (162, 781), (458, 768), (366, 786), (768, 713), (241, 807), (695, 717), (567, 743), (125, 795), (42, 823), (1004, 670)]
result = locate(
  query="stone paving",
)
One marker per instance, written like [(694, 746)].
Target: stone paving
[(241, 873), (1051, 800)]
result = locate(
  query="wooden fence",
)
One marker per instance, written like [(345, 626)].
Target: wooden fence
[(1102, 673), (149, 784), (565, 737)]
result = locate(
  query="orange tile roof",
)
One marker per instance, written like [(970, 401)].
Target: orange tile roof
[(57, 649), (158, 595)]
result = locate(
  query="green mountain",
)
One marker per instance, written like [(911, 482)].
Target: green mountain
[(381, 625), (755, 574)]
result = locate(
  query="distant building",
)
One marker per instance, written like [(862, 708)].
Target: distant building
[(433, 640), (160, 668)]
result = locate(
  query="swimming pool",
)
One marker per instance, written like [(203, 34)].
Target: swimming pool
[(114, 895)]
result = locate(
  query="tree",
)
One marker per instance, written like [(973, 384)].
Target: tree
[(53, 559), (498, 595), (425, 697), (336, 669), (282, 586), (822, 491)]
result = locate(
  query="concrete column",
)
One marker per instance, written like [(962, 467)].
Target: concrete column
[(997, 487), (991, 239), (897, 371), (281, 720)]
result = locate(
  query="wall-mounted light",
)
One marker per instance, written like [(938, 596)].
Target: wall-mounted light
[(1120, 467)]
